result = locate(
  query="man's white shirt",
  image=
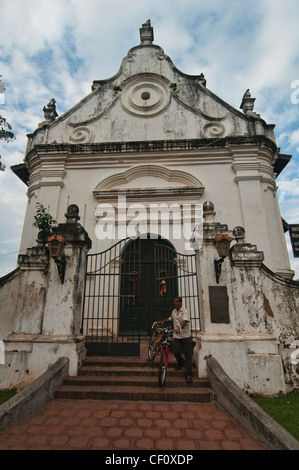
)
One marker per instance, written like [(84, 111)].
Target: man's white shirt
[(178, 317)]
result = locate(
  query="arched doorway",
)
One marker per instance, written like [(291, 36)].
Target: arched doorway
[(149, 281)]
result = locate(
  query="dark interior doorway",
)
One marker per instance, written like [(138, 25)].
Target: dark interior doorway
[(149, 282)]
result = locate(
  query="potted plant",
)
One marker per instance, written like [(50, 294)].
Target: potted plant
[(44, 222)]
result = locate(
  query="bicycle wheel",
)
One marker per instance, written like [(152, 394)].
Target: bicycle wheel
[(152, 348), (163, 367)]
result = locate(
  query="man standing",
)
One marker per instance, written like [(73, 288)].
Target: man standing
[(182, 340)]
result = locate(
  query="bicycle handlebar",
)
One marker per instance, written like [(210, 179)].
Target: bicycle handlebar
[(163, 328)]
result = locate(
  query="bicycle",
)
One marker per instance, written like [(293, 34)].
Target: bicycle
[(159, 342)]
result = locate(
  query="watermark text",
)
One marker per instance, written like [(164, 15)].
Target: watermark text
[(295, 93), (154, 220)]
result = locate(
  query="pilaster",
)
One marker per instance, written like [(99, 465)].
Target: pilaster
[(253, 167)]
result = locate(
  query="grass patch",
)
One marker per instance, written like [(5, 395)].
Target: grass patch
[(285, 410), (6, 395)]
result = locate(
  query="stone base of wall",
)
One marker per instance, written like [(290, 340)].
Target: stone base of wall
[(252, 361), (27, 357)]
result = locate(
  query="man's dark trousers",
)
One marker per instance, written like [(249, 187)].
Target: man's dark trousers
[(183, 346)]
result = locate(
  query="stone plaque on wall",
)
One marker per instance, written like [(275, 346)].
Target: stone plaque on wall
[(219, 304)]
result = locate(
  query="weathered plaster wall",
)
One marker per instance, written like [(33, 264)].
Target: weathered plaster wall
[(40, 314), (255, 342), (9, 292), (281, 305)]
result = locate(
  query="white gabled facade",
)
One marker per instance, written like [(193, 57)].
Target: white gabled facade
[(153, 133), (153, 140)]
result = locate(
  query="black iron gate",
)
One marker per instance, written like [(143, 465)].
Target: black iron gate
[(128, 287), (176, 275)]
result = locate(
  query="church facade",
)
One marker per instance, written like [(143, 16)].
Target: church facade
[(155, 161), (154, 134)]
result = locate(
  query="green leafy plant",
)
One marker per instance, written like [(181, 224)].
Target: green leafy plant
[(43, 220), (6, 134)]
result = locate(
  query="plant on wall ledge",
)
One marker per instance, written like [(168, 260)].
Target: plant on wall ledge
[(44, 222)]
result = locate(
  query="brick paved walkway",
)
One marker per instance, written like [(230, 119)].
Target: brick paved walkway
[(124, 425)]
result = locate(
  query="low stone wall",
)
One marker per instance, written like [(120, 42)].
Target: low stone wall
[(247, 412), (248, 314), (33, 397)]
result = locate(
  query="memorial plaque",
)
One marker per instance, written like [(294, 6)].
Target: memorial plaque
[(219, 304), (294, 236)]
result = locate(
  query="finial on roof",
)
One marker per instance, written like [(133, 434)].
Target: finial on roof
[(247, 104), (146, 33), (50, 111)]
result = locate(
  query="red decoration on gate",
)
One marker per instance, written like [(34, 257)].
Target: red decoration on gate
[(134, 280), (163, 282)]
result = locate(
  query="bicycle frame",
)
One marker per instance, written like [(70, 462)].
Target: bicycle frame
[(163, 347), (155, 347)]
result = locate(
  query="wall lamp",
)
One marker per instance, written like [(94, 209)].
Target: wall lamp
[(222, 243), (56, 246)]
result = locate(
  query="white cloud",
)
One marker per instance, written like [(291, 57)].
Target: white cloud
[(294, 139), (56, 48), (32, 25)]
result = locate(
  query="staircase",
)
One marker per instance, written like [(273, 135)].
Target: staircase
[(106, 378)]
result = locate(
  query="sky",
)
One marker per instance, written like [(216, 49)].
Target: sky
[(56, 48)]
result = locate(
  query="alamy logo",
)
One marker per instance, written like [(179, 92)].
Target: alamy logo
[(156, 219), (295, 94)]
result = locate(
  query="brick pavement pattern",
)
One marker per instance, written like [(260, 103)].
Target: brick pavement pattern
[(123, 425)]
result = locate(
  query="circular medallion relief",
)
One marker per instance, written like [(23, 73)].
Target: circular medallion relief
[(145, 96)]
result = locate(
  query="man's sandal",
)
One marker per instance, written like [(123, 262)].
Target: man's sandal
[(189, 379)]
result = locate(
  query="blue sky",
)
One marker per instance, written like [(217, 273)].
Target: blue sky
[(56, 48)]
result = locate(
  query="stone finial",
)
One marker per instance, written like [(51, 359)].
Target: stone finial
[(146, 33), (50, 111), (208, 212), (239, 234), (202, 80), (72, 214), (247, 104)]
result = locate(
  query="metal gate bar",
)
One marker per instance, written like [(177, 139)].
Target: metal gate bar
[(101, 321), (182, 277)]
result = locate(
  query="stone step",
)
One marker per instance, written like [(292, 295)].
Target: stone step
[(132, 381), (123, 362), (136, 393), (107, 378), (127, 371), (128, 366)]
